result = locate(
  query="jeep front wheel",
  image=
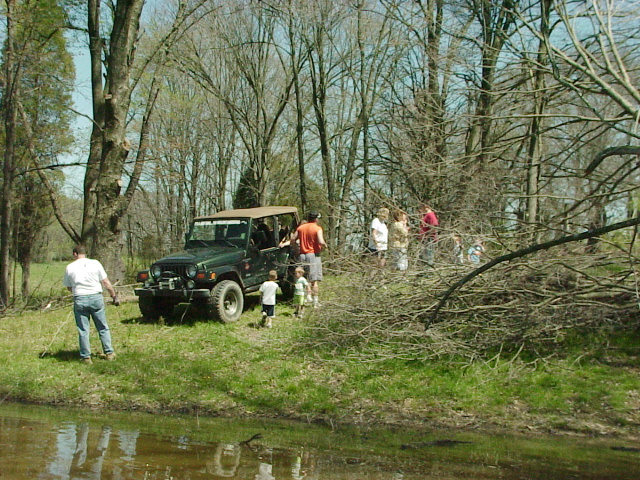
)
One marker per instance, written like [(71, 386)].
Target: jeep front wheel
[(226, 302)]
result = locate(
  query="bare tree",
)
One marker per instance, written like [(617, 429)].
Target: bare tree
[(12, 73), (114, 76), (592, 56), (239, 62), (38, 74), (425, 162)]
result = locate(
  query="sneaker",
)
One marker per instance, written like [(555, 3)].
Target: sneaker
[(263, 322), (86, 360), (269, 325), (110, 357)]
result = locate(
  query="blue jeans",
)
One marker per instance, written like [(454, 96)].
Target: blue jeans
[(91, 306), (399, 258), (427, 253)]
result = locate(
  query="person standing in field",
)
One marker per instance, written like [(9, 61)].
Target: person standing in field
[(399, 240), (378, 241), (428, 233), (476, 252), (311, 239), (268, 291), (302, 288), (458, 250), (85, 278)]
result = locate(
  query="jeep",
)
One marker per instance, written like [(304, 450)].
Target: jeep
[(226, 255)]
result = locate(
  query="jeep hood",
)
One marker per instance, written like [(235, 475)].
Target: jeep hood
[(210, 256)]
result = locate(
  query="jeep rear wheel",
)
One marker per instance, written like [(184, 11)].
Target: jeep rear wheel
[(226, 302), (153, 308)]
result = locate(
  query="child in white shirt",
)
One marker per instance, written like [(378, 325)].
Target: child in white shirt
[(268, 292), (301, 287)]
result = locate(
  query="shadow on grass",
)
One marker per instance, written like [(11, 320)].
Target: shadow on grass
[(188, 315), (62, 355), (183, 314)]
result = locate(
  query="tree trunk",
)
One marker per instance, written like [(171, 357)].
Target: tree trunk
[(109, 147), (9, 108), (534, 154), (295, 67), (25, 266)]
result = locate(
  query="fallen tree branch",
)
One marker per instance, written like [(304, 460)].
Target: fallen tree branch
[(524, 252)]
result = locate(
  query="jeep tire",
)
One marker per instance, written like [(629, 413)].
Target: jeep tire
[(226, 302)]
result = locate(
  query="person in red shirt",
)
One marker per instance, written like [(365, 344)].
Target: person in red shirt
[(428, 233), (311, 239)]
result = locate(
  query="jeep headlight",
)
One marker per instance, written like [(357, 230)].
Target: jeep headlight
[(191, 271), (156, 271)]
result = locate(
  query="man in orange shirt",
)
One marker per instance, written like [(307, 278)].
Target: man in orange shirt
[(312, 242)]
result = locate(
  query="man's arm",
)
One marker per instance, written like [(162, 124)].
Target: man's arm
[(321, 239), (106, 283)]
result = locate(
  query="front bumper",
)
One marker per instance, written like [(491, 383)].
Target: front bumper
[(179, 294)]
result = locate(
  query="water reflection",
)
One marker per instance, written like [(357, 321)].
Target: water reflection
[(69, 450), (81, 452), (38, 447)]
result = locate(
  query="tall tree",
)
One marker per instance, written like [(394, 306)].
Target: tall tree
[(115, 73), (12, 72), (593, 55), (496, 21), (112, 60), (38, 77), (253, 80)]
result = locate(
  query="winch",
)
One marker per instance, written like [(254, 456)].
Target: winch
[(170, 283)]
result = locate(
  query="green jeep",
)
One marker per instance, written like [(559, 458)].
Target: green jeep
[(226, 255)]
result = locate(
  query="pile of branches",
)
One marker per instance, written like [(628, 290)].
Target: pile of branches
[(534, 303)]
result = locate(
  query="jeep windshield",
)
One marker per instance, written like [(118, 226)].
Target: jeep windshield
[(226, 232)]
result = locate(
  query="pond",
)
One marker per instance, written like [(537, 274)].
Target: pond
[(50, 444)]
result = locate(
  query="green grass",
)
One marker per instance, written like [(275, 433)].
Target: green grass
[(45, 281), (237, 369)]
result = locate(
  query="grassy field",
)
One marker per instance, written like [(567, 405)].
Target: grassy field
[(239, 369)]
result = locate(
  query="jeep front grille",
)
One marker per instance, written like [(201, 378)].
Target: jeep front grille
[(180, 270)]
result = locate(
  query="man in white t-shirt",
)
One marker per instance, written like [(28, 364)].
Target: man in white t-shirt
[(85, 278)]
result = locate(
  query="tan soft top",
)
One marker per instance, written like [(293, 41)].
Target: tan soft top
[(257, 212)]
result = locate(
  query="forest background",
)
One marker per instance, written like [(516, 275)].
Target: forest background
[(516, 120)]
